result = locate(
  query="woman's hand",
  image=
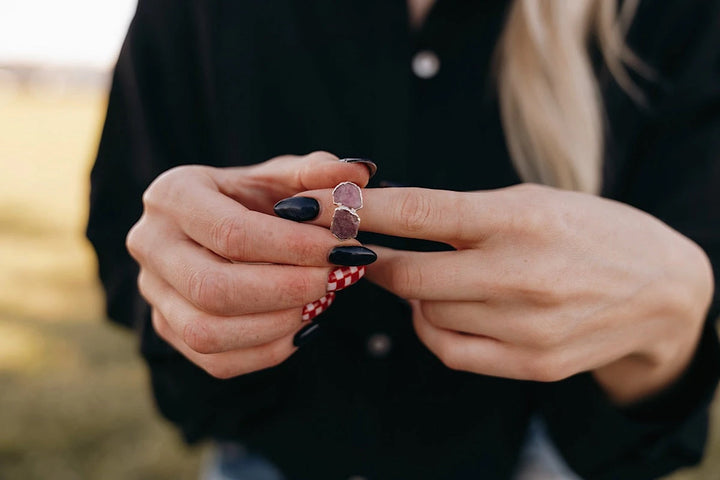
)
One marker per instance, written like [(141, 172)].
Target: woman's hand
[(543, 284), (227, 280)]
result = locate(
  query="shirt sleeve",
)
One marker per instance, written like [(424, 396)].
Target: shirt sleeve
[(673, 173), (148, 129), (156, 120)]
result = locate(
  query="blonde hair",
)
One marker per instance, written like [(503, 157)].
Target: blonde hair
[(550, 103)]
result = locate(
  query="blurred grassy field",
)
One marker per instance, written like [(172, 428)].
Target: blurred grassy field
[(74, 402)]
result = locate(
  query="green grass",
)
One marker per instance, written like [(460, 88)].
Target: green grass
[(74, 396)]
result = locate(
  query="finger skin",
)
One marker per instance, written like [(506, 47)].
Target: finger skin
[(226, 227), (476, 354), (249, 236), (260, 186), (456, 218), (454, 275), (197, 222), (228, 364), (477, 318), (219, 287), (205, 333), (490, 356)]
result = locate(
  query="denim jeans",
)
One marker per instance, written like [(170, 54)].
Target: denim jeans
[(230, 461), (539, 460)]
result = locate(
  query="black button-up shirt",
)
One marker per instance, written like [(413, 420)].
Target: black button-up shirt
[(232, 82)]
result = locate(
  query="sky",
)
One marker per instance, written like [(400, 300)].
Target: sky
[(63, 33)]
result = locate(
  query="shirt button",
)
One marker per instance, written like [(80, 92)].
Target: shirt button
[(379, 345), (425, 64)]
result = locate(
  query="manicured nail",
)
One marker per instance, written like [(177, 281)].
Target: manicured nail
[(305, 334), (344, 277), (371, 166), (313, 309), (352, 256), (298, 209)]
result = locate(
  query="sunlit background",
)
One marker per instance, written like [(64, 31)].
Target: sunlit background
[(74, 400)]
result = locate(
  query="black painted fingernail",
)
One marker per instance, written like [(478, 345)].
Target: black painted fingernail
[(298, 209), (352, 256), (371, 166), (305, 334)]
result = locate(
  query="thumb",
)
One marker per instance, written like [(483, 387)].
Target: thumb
[(324, 170), (258, 187), (287, 175)]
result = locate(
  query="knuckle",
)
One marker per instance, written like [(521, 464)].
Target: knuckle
[(321, 156), (530, 188), (209, 290), (536, 211), (133, 240), (142, 283), (415, 212), (200, 338), (311, 162), (229, 236), (151, 196), (157, 192), (171, 185), (524, 219), (160, 327)]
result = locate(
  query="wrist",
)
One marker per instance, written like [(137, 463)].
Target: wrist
[(637, 377), (679, 305)]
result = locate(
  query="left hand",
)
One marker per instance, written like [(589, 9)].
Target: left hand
[(543, 283)]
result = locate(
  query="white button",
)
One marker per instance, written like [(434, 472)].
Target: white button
[(425, 64), (379, 345)]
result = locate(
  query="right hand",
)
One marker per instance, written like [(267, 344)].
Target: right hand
[(226, 279)]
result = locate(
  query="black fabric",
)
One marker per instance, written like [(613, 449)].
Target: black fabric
[(233, 83)]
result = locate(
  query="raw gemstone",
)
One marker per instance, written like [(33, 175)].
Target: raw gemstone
[(347, 194), (345, 223)]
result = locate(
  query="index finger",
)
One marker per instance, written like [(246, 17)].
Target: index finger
[(422, 213), (232, 231)]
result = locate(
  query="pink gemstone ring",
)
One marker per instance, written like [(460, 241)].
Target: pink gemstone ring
[(346, 222)]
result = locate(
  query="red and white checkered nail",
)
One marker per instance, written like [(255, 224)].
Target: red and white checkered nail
[(313, 309), (344, 277)]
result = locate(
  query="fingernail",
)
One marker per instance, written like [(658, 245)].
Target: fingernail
[(344, 277), (313, 309), (298, 209), (305, 334), (371, 166), (352, 256)]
